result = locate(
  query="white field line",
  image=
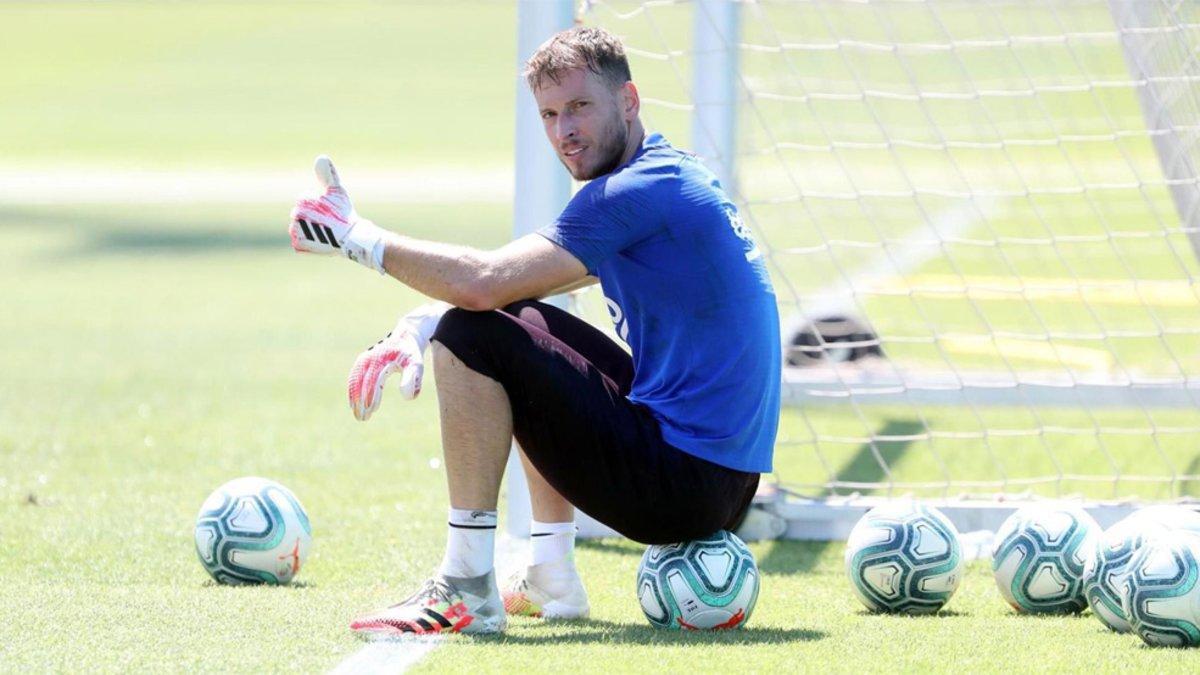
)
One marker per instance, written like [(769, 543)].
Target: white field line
[(105, 185), (1139, 292), (388, 656), (1087, 358), (841, 297)]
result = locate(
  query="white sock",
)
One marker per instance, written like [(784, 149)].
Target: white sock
[(470, 543), (551, 542)]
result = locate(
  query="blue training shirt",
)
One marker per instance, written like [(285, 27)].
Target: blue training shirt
[(689, 292)]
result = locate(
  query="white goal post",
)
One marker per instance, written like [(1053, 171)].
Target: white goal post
[(982, 220)]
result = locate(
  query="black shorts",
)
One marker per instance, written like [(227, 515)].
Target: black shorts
[(567, 383)]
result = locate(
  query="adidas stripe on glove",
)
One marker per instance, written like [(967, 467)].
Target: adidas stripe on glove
[(329, 224)]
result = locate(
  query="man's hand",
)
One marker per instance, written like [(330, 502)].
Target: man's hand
[(329, 224), (401, 350)]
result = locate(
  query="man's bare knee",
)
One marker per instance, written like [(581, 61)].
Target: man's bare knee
[(444, 360), (447, 367), (440, 352)]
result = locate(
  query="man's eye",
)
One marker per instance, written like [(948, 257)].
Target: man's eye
[(547, 115)]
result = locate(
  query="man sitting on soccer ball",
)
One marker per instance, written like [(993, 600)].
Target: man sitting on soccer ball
[(665, 446)]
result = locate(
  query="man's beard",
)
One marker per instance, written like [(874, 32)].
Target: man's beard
[(609, 152)]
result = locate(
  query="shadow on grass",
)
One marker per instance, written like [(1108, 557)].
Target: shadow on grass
[(1047, 617), (607, 632), (944, 613), (182, 241), (295, 585), (127, 233)]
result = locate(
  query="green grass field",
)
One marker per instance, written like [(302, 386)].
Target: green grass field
[(150, 352), (143, 370)]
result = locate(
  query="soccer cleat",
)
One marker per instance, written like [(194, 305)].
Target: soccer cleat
[(443, 605), (548, 591)]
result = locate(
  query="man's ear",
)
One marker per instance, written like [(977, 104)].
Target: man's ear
[(631, 101)]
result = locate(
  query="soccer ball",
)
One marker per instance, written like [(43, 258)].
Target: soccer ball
[(905, 558), (706, 584), (1039, 558), (1171, 517), (252, 530), (1161, 592), (1104, 573)]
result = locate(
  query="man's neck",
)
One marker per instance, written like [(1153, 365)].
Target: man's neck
[(637, 134)]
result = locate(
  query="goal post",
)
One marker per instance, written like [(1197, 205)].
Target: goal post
[(1164, 68), (715, 30), (982, 220), (541, 190)]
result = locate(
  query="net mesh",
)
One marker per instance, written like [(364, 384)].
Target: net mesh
[(981, 220)]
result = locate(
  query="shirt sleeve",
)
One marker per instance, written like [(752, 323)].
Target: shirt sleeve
[(607, 216)]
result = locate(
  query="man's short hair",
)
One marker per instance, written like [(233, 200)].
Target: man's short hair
[(593, 48)]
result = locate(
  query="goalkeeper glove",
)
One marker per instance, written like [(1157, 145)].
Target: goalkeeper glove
[(401, 350), (329, 224)]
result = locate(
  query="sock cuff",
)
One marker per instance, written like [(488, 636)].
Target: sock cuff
[(539, 529), (472, 519)]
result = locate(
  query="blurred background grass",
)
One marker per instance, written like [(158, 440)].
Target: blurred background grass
[(257, 84)]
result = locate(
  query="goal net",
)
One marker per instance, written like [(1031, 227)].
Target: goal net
[(982, 222)]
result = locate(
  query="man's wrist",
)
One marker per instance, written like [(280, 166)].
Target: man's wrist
[(365, 244), (423, 320)]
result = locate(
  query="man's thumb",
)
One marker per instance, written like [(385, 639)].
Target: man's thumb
[(410, 380), (326, 173)]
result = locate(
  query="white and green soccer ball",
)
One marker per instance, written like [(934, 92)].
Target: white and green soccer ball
[(1161, 593), (1171, 516), (904, 558), (1105, 572), (705, 584), (1039, 557), (252, 531)]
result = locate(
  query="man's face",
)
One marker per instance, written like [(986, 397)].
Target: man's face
[(586, 120)]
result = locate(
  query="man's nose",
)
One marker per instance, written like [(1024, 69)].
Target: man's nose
[(565, 128)]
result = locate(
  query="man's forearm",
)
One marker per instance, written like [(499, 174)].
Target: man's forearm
[(527, 267), (446, 272)]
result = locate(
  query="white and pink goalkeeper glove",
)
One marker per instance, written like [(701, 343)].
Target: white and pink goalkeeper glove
[(329, 224), (401, 350)]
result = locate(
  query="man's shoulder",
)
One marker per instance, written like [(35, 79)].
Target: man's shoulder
[(651, 174), (660, 159), (670, 165)]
